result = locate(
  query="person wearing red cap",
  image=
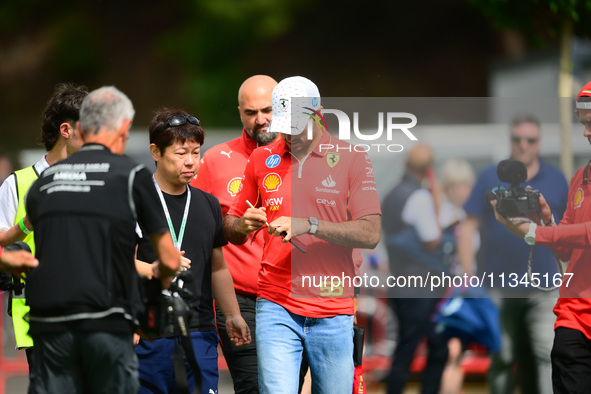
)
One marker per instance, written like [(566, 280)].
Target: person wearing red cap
[(525, 313), (571, 240), (319, 194)]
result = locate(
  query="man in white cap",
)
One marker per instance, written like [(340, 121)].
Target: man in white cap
[(315, 191)]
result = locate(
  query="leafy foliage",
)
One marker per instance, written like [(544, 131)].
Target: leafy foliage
[(539, 20)]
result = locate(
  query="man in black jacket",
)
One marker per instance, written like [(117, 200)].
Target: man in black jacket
[(84, 295)]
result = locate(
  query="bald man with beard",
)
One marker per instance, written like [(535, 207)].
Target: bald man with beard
[(411, 209), (220, 174)]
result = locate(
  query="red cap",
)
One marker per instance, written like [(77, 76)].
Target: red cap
[(585, 92)]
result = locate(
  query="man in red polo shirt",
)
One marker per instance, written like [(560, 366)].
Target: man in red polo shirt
[(315, 191), (220, 174), (571, 240)]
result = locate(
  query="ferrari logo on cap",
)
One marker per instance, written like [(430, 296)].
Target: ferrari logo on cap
[(284, 103), (332, 159)]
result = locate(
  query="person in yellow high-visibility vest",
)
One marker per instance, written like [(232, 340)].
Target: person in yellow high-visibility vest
[(60, 138)]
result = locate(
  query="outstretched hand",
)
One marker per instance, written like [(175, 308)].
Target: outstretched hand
[(546, 213), (288, 227)]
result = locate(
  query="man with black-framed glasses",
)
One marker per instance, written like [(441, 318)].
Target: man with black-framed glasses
[(525, 313)]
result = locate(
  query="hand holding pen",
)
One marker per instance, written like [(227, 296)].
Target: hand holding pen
[(283, 233)]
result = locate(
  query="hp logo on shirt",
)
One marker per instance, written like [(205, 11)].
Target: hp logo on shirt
[(273, 161)]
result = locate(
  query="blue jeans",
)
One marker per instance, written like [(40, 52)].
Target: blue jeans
[(156, 368), (282, 337)]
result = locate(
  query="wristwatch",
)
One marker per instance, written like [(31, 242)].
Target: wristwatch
[(530, 237), (313, 225)]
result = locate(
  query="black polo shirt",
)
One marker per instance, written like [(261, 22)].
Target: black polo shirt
[(84, 210), (203, 233)]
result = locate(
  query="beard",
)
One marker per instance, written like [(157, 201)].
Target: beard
[(264, 138)]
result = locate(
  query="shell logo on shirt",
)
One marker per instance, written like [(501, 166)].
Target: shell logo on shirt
[(579, 197), (271, 182), (234, 186)]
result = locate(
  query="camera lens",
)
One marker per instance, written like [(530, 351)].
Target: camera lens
[(20, 245)]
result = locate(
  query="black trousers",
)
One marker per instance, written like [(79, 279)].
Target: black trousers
[(242, 360), (571, 362), (84, 362), (414, 324)]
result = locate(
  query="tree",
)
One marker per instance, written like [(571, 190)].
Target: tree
[(541, 21)]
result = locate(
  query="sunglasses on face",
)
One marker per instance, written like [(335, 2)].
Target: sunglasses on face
[(530, 141)]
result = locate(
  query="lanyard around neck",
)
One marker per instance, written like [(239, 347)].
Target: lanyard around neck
[(177, 241)]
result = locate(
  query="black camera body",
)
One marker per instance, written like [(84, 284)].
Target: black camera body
[(169, 314), (7, 281), (513, 200)]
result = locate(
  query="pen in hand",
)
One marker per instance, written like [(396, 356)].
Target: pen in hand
[(283, 233)]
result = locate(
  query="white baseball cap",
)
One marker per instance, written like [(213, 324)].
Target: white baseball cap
[(294, 100)]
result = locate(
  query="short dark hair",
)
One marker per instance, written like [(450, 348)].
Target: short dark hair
[(163, 136), (63, 106)]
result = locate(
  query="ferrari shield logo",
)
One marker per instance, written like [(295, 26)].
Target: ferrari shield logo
[(332, 159)]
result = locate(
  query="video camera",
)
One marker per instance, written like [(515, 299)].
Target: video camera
[(7, 281), (513, 200), (167, 313)]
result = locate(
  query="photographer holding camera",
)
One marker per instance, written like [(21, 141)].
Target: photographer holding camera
[(84, 295), (571, 240), (525, 314)]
